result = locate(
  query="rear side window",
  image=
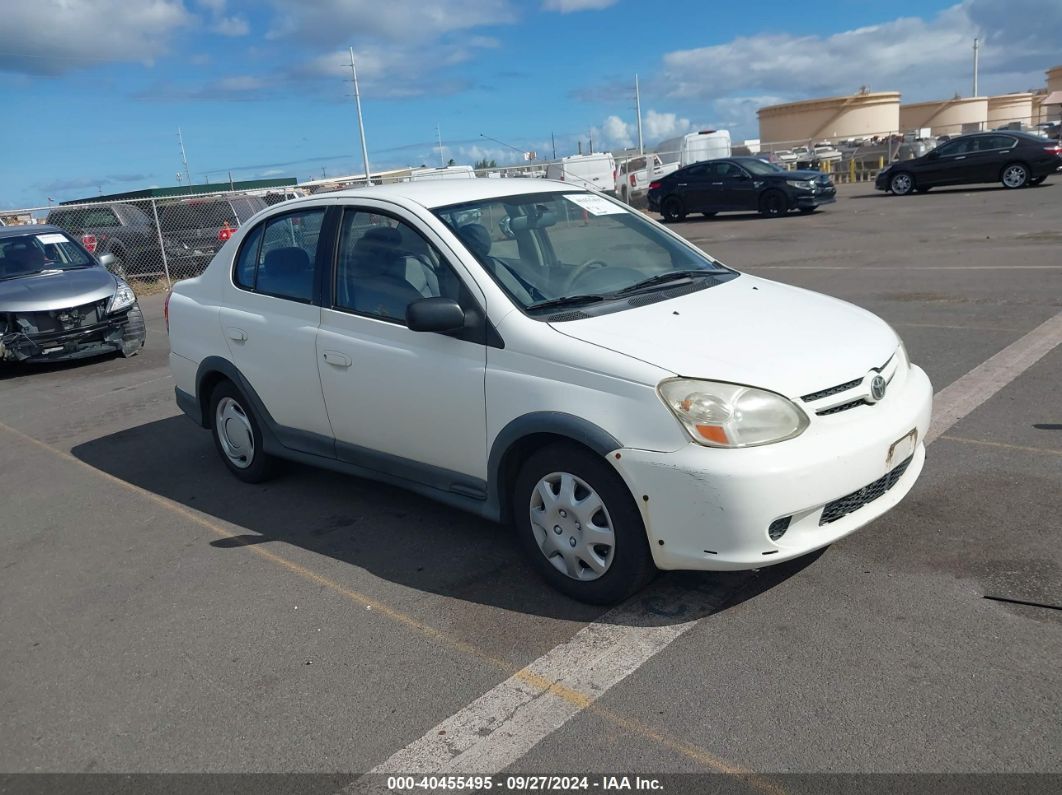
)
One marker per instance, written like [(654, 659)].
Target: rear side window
[(991, 142), (85, 218), (278, 257)]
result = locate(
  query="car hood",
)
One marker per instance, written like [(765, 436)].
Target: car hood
[(45, 291), (748, 331), (801, 173)]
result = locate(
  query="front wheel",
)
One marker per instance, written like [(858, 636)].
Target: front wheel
[(580, 526), (673, 209), (901, 184), (238, 436), (1015, 175), (773, 204)]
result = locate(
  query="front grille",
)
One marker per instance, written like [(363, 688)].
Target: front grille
[(857, 499), (833, 390), (843, 407), (58, 321)]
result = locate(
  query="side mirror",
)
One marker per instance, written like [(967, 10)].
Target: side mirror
[(107, 260), (435, 314)]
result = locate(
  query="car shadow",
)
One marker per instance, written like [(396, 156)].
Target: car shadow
[(391, 533), (945, 189)]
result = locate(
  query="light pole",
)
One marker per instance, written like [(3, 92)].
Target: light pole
[(361, 123)]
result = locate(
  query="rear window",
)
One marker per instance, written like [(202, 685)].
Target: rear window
[(84, 218)]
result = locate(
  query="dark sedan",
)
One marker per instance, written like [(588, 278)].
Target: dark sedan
[(739, 183), (1016, 159), (58, 302)]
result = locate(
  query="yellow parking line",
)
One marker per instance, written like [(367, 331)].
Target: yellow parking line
[(1004, 445), (580, 700)]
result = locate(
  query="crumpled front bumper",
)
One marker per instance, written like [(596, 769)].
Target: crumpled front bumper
[(124, 332)]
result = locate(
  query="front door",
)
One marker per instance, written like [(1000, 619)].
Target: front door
[(732, 188), (404, 402), (950, 164)]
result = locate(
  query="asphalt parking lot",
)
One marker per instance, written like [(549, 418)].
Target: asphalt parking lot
[(156, 615)]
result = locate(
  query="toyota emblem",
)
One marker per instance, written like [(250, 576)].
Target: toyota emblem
[(877, 388)]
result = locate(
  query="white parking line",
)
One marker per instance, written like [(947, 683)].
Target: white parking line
[(961, 397), (505, 723)]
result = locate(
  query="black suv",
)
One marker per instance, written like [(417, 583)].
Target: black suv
[(121, 230), (1015, 158), (739, 183)]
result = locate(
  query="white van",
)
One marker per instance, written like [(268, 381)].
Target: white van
[(445, 172), (596, 171), (704, 145)]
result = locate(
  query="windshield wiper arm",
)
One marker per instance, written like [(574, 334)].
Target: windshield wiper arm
[(567, 300), (679, 277)]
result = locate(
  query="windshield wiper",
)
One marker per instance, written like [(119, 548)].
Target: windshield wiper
[(677, 277), (566, 300)]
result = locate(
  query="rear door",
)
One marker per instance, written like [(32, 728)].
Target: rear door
[(269, 321), (693, 184), (993, 152)]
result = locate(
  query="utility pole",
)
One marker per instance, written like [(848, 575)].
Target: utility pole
[(553, 138), (184, 157), (438, 135), (977, 64), (638, 110), (361, 123), (591, 141), (231, 186)]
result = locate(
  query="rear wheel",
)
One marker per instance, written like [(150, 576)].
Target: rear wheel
[(901, 184), (238, 436), (773, 204), (1015, 175), (580, 526), (673, 209)]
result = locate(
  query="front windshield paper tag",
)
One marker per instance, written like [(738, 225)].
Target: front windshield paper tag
[(595, 205), (52, 239)]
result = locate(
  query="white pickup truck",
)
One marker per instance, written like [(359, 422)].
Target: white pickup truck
[(633, 178)]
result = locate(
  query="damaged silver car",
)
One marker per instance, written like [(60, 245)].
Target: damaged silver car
[(58, 302)]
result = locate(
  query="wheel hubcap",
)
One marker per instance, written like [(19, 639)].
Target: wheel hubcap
[(233, 428), (901, 184), (572, 526), (1014, 176)]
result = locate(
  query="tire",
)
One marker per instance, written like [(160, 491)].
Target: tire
[(1037, 180), (236, 430), (1014, 175), (901, 183), (773, 204), (673, 210), (135, 334), (552, 493)]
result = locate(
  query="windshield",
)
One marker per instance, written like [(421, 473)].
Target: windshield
[(24, 255), (571, 247), (761, 167)]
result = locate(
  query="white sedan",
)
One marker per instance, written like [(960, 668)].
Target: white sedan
[(542, 354)]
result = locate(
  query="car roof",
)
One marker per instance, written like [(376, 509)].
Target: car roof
[(444, 192), (28, 229)]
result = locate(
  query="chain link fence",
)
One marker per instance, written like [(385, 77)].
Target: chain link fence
[(165, 240)]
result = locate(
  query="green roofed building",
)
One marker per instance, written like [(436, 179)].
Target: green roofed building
[(187, 190)]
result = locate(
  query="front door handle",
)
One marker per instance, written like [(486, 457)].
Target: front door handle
[(336, 358), (961, 157), (236, 334)]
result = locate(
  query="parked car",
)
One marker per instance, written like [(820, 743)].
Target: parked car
[(1016, 159), (121, 230), (596, 171), (739, 183), (630, 403), (58, 302), (194, 229)]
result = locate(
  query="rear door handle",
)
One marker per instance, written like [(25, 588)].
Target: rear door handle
[(336, 358), (682, 184), (236, 334)]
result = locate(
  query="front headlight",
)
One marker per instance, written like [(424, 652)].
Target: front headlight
[(801, 184), (123, 298), (730, 415)]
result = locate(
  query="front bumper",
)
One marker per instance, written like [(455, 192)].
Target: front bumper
[(124, 332), (710, 509), (816, 199)]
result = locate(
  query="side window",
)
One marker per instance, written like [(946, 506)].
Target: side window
[(698, 170), (993, 142), (247, 262), (279, 255), (385, 265)]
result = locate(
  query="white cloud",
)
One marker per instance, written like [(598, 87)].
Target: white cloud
[(656, 126), (568, 6), (332, 22), (51, 37), (220, 23), (923, 58)]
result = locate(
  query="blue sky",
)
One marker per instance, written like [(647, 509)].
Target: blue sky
[(99, 87)]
